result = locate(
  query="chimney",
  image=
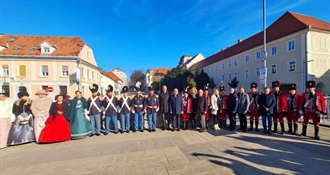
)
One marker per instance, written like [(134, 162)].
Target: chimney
[(240, 40)]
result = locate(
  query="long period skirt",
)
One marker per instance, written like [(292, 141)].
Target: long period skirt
[(22, 130), (80, 126), (57, 130), (4, 131)]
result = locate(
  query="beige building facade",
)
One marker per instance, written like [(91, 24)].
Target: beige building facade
[(292, 56), (65, 64)]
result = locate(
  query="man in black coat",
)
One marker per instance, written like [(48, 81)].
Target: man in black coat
[(164, 107), (232, 108), (176, 108), (201, 108), (266, 104)]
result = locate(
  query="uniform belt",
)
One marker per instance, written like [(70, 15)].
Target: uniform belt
[(138, 106), (152, 106)]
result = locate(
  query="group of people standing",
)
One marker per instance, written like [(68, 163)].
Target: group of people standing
[(201, 107), (45, 121)]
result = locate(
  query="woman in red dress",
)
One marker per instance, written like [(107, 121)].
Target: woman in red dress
[(57, 126)]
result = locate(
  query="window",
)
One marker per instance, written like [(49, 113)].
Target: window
[(88, 74), (11, 40), (216, 68), (274, 69), (292, 66), (274, 50), (5, 89), (34, 48), (5, 70), (235, 62), (87, 55), (258, 71), (93, 75), (235, 74), (247, 58), (258, 55), (247, 73), (223, 78), (44, 88), (223, 66), (18, 48), (82, 72), (216, 79), (229, 64), (44, 71), (229, 77), (64, 90), (291, 45), (22, 70), (46, 49), (97, 76), (212, 69), (65, 71)]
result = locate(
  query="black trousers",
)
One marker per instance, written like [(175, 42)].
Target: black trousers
[(215, 119), (232, 119), (243, 121)]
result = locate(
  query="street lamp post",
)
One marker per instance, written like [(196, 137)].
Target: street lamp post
[(264, 46)]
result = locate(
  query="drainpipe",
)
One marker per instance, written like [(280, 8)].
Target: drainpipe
[(306, 61)]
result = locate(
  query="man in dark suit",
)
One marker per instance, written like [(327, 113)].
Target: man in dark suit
[(164, 107), (266, 108), (232, 108), (243, 107), (201, 108), (176, 109)]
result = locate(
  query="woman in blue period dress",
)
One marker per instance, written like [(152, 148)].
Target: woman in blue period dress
[(80, 126), (22, 129)]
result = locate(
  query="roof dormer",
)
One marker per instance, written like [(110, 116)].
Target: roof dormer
[(47, 48)]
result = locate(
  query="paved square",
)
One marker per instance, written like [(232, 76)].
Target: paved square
[(181, 153)]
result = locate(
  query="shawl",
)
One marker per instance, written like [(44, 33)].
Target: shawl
[(72, 108)]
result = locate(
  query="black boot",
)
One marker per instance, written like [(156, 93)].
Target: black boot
[(304, 131), (241, 127), (257, 124), (295, 129), (275, 127), (290, 128), (207, 124), (316, 133), (184, 125), (282, 128), (251, 125), (193, 124)]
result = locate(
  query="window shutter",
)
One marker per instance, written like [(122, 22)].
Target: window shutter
[(22, 70), (65, 68)]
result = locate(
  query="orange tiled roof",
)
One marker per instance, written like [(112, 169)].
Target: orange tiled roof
[(65, 46), (113, 76), (159, 71), (287, 24)]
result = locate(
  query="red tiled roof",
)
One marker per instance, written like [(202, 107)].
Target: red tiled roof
[(287, 24), (65, 46), (159, 71), (113, 76)]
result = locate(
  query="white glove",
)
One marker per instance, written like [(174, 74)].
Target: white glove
[(103, 112), (211, 107), (157, 109), (301, 112), (317, 112), (145, 111), (86, 112), (133, 111)]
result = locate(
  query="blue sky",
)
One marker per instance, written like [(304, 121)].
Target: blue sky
[(142, 34)]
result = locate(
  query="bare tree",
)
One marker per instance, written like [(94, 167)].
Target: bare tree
[(137, 75)]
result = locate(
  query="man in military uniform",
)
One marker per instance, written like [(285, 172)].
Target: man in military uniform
[(313, 105), (223, 102), (164, 108), (151, 106), (254, 107), (137, 109), (110, 105), (293, 101), (125, 110), (94, 106), (280, 106)]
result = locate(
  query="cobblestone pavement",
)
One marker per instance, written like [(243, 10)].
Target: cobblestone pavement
[(166, 152)]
